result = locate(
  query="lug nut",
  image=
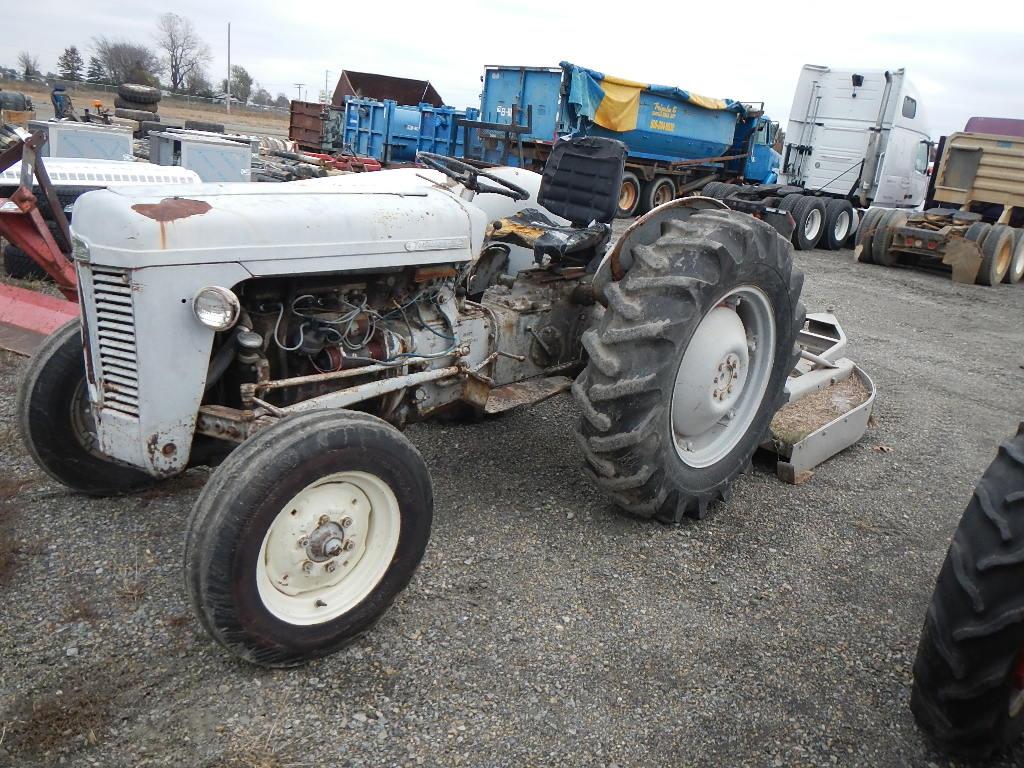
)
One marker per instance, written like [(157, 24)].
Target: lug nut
[(347, 545), (346, 522), (330, 567), (324, 520), (307, 567), (303, 542)]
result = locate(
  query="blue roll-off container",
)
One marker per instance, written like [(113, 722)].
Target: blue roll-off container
[(394, 133)]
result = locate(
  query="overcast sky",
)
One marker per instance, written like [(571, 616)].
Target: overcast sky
[(963, 63)]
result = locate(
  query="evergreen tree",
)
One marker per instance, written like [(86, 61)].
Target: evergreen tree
[(96, 73), (69, 64)]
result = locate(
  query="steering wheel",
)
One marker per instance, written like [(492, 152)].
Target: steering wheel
[(469, 176)]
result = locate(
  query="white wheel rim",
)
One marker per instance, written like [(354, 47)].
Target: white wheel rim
[(812, 224), (328, 548), (1017, 265), (722, 377), (842, 227)]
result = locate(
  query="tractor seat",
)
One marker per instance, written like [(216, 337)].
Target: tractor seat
[(581, 183)]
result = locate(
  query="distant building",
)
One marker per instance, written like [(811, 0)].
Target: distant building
[(368, 85)]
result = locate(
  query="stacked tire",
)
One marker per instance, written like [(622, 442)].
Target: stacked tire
[(137, 102)]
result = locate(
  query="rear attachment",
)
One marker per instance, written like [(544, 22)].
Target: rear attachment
[(830, 402), (27, 317)]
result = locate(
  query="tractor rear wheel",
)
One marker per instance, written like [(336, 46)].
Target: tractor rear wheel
[(689, 362), (968, 690), (57, 425), (305, 534)]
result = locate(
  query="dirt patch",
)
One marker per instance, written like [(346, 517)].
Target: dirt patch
[(253, 750), (58, 721), (795, 421)]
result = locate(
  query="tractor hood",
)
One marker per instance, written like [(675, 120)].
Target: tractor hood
[(358, 221)]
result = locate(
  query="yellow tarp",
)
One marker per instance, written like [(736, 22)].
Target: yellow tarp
[(620, 106)]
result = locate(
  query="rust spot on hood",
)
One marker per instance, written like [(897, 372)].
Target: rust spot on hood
[(172, 209)]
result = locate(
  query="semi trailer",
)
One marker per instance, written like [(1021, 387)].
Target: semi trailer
[(676, 140), (973, 218), (856, 138)]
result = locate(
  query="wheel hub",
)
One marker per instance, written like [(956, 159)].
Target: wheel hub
[(319, 541)]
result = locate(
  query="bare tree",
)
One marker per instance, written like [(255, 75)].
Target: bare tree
[(126, 62), (261, 96), (282, 101), (28, 64), (184, 51), (198, 83)]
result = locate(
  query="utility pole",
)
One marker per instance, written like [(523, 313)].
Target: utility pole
[(228, 95), (299, 86), (327, 74)]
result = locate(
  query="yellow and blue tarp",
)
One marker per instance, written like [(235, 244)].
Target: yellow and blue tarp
[(614, 102)]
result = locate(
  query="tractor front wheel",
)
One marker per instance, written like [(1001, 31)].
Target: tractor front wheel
[(305, 534), (968, 691), (57, 423), (689, 362)]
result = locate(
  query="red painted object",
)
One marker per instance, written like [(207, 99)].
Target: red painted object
[(28, 317)]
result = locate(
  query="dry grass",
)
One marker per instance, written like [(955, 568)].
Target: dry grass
[(61, 720), (80, 608), (795, 421), (170, 107), (250, 750), (131, 587)]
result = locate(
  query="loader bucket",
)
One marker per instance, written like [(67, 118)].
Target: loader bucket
[(28, 317)]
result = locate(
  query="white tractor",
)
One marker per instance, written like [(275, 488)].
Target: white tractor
[(303, 324)]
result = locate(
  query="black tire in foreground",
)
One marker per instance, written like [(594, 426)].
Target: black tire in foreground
[(20, 265), (56, 425), (137, 115), (838, 224), (141, 94), (628, 431), (289, 480), (711, 189), (968, 676)]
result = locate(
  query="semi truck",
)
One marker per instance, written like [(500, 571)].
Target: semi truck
[(973, 218), (856, 138), (677, 141)]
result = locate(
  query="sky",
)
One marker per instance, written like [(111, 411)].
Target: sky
[(962, 63)]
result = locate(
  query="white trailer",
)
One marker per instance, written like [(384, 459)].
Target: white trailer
[(861, 134)]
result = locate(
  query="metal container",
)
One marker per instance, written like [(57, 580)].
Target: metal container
[(393, 133), (211, 157), (670, 123), (84, 140), (316, 127), (535, 87)]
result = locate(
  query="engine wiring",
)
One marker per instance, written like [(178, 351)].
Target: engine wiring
[(353, 325)]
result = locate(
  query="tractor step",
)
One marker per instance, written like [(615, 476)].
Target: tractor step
[(28, 317), (527, 392)]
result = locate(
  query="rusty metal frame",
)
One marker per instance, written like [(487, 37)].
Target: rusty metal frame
[(23, 225)]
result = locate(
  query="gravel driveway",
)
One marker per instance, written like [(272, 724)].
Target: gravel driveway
[(543, 628)]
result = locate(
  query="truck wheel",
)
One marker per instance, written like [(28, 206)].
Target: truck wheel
[(866, 233), (138, 115), (689, 363), (881, 241), (838, 223), (809, 213), (141, 94), (1016, 270), (711, 189), (202, 125), (629, 194), (57, 424), (969, 671), (305, 534), (658, 192), (996, 255), (20, 265)]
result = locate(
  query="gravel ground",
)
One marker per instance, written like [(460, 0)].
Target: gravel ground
[(543, 628)]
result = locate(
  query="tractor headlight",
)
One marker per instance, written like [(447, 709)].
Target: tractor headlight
[(216, 307)]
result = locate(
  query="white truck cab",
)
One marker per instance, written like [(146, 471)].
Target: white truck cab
[(859, 133)]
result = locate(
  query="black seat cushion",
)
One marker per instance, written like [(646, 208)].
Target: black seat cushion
[(533, 229), (582, 179)]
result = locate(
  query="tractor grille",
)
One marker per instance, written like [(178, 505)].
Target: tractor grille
[(115, 333)]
